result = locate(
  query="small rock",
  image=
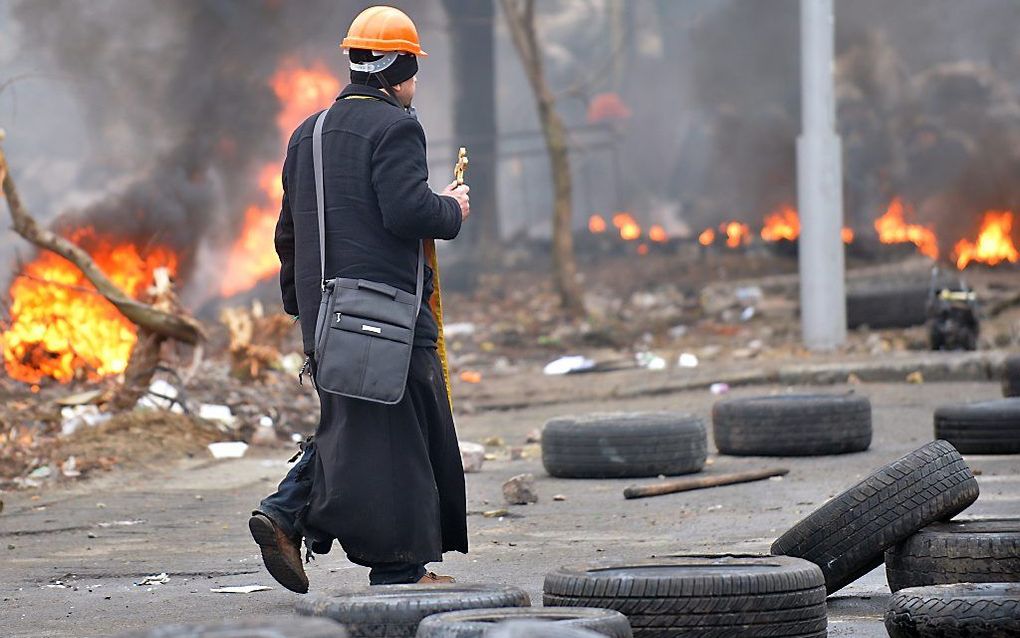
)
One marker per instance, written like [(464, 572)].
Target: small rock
[(472, 455), (264, 436), (494, 441), (915, 377), (520, 490), (559, 497), (90, 535), (534, 436), (853, 379), (495, 513)]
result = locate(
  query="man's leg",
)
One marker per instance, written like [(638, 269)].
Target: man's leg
[(396, 573), (291, 496), (274, 525)]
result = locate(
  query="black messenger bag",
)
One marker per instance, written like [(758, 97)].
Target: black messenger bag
[(365, 329)]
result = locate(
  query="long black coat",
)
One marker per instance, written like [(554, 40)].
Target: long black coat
[(387, 480), (378, 205)]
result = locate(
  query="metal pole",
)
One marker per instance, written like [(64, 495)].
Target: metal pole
[(820, 185)]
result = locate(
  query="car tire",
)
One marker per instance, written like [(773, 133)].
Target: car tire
[(987, 427), (704, 596), (959, 551), (624, 445), (847, 537), (988, 610), (792, 425), (395, 611), (477, 623)]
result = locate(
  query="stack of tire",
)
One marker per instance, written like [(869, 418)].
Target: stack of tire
[(456, 611), (962, 576)]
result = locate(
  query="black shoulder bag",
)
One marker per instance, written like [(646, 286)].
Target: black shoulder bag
[(365, 329)]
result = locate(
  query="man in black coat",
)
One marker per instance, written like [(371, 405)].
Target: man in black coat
[(386, 481)]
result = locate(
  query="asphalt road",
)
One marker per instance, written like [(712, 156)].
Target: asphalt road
[(72, 555)]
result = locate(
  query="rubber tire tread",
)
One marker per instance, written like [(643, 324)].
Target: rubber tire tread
[(992, 610), (877, 307), (785, 599), (792, 425), (965, 551), (394, 611), (257, 627), (848, 536), (987, 427), (621, 445), (476, 623), (1011, 377)]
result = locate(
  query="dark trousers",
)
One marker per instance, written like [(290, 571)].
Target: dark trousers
[(284, 508)]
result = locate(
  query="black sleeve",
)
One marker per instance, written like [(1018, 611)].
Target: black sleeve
[(285, 250), (400, 176)]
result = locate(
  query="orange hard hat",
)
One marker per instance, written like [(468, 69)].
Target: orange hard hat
[(383, 28)]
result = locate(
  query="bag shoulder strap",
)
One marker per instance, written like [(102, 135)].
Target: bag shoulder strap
[(320, 205)]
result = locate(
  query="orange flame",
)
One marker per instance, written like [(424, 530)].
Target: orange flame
[(629, 228), (301, 91), (892, 228), (994, 242), (782, 224), (707, 237), (737, 233), (658, 234), (847, 234), (60, 327), (596, 224)]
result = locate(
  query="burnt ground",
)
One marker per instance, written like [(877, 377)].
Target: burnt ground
[(73, 551)]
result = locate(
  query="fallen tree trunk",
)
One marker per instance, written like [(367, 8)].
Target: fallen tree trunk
[(146, 317)]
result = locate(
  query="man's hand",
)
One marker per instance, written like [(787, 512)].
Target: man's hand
[(460, 193)]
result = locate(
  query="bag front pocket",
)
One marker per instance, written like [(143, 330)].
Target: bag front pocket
[(370, 328)]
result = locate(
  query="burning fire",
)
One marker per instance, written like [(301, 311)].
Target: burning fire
[(301, 92), (737, 233), (596, 224), (60, 327), (707, 237), (782, 224), (994, 242), (658, 234), (892, 228), (628, 226)]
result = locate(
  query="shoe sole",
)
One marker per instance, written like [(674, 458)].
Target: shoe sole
[(264, 533)]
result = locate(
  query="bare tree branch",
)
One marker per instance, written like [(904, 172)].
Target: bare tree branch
[(169, 325)]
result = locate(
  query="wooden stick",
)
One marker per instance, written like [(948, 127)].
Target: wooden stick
[(697, 483)]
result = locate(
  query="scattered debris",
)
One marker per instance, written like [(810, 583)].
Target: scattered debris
[(79, 398), (228, 449), (853, 379), (719, 388), (650, 361), (158, 579), (69, 468), (915, 377), (516, 453), (559, 497), (462, 329), (218, 413), (500, 513), (520, 490), (246, 589), (534, 436), (161, 395), (494, 441), (688, 360), (471, 376), (74, 417), (567, 365), (472, 455)]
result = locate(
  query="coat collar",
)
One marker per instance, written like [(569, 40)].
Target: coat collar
[(368, 91)]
